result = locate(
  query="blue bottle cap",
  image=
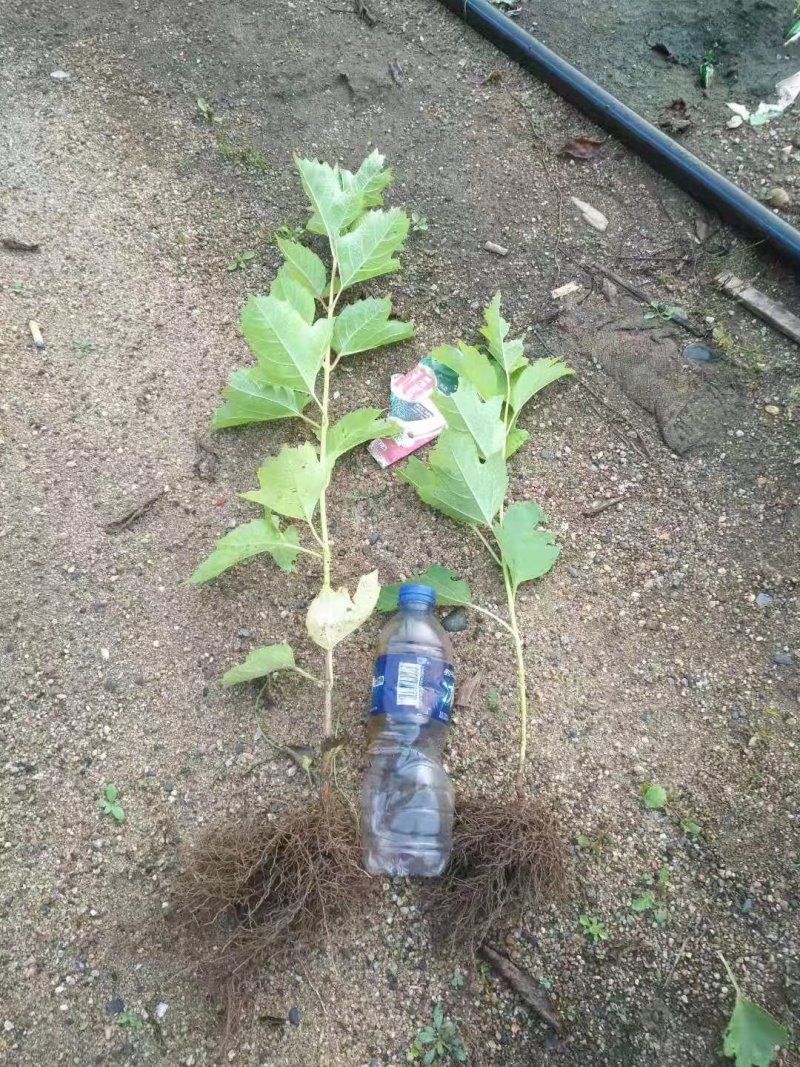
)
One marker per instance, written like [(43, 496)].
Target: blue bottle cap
[(414, 592)]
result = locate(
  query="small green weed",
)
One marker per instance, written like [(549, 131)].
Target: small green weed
[(458, 980), (654, 898), (439, 1043), (290, 231), (419, 224), (247, 156), (241, 261), (18, 288), (545, 982), (594, 927), (664, 312), (655, 797), (111, 804), (84, 346), (594, 843), (690, 828), (493, 701), (206, 111), (746, 355), (129, 1020)]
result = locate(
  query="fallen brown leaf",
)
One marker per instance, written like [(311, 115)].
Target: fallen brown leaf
[(582, 148)]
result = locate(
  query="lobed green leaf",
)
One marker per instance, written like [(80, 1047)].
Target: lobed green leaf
[(365, 325), (290, 352), (304, 266), (472, 364), (533, 378), (260, 662), (251, 539), (367, 251), (458, 482), (288, 288), (527, 551), (356, 428), (515, 440), (334, 208), (753, 1036), (450, 591), (509, 354), (249, 399), (465, 412), (291, 483)]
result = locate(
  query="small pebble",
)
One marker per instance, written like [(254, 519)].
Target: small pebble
[(60, 76), (783, 659), (455, 621), (547, 453), (763, 600), (161, 1009), (115, 1007), (295, 1016), (777, 197), (747, 906), (772, 409), (700, 353)]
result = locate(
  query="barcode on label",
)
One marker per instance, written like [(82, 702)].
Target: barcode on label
[(409, 676)]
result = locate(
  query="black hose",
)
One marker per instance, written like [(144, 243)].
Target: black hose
[(651, 144)]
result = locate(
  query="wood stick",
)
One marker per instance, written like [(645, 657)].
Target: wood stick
[(772, 311), (528, 991)]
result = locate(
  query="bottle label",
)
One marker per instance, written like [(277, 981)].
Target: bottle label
[(401, 680)]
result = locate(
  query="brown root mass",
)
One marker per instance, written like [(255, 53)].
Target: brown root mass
[(256, 890), (508, 856)]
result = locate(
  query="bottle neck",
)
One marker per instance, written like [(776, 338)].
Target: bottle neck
[(416, 607)]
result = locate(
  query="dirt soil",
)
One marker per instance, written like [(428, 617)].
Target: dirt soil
[(663, 648)]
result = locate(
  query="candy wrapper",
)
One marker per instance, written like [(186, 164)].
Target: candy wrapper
[(411, 406)]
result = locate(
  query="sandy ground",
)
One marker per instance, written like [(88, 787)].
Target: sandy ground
[(650, 656)]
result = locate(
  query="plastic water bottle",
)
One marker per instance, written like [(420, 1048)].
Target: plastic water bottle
[(406, 796)]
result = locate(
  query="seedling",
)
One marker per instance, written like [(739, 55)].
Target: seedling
[(419, 224), (18, 288), (594, 928), (304, 865), (493, 701), (690, 828), (129, 1020), (466, 478), (654, 899), (753, 1037), (439, 1043), (655, 797), (546, 983), (458, 980), (664, 312), (241, 261), (290, 232), (84, 347), (592, 843), (111, 804), (206, 111)]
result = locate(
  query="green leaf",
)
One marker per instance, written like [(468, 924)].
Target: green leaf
[(369, 180), (291, 482), (429, 1057), (259, 662), (355, 428), (286, 287), (655, 797), (111, 793), (332, 614), (533, 378), (527, 551), (465, 412), (472, 364), (365, 325), (509, 354), (249, 399), (367, 250), (438, 1016), (251, 539), (450, 591), (753, 1036), (305, 266), (426, 1036), (457, 482), (644, 902), (515, 440), (117, 814), (334, 208), (290, 352)]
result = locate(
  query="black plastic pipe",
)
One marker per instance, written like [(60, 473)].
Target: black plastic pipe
[(664, 154)]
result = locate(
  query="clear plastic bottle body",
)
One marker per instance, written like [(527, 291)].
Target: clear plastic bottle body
[(406, 796)]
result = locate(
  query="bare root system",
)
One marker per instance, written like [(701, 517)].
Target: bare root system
[(508, 856), (256, 890)]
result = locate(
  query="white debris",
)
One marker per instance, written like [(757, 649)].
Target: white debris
[(60, 75), (591, 214), (786, 91), (564, 290), (161, 1010)]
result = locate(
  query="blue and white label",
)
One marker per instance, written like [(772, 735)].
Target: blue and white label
[(402, 681)]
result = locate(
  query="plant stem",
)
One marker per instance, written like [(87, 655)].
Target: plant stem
[(522, 686)]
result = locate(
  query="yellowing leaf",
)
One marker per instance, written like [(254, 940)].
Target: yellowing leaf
[(368, 249), (450, 591), (305, 266), (365, 325), (471, 363), (247, 399), (527, 551), (251, 539), (465, 412), (531, 379), (457, 482), (290, 352), (260, 662), (291, 482), (356, 428), (509, 354), (332, 614)]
